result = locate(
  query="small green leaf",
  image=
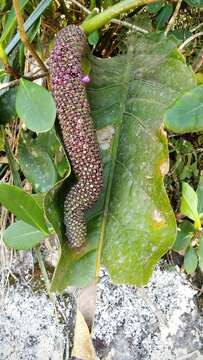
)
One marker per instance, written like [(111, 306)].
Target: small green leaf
[(93, 38), (35, 106), (37, 166), (22, 236), (154, 8), (200, 253), (195, 3), (184, 236), (181, 34), (189, 203), (164, 16), (186, 114), (50, 143), (23, 206), (7, 106), (190, 260), (200, 195)]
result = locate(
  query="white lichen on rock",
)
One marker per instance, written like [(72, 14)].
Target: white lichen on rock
[(158, 322)]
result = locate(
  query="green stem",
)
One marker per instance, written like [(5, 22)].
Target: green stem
[(108, 14), (43, 271), (12, 162)]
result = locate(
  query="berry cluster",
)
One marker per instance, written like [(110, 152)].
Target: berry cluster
[(79, 136)]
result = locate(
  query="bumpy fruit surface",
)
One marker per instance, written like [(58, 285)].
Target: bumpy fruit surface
[(68, 86)]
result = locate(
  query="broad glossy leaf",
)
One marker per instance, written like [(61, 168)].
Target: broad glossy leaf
[(184, 236), (190, 260), (189, 203), (132, 92), (23, 206), (140, 226), (7, 106), (35, 106), (37, 166), (186, 114), (22, 236)]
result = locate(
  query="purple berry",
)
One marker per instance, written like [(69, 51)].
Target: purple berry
[(85, 79)]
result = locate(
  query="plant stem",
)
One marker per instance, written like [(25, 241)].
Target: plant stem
[(30, 76), (24, 37), (191, 38), (198, 61), (8, 68), (107, 15), (130, 26), (172, 19), (43, 270)]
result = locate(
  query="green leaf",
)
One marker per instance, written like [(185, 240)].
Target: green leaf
[(182, 34), (22, 236), (138, 222), (184, 235), (195, 3), (164, 16), (189, 204), (11, 21), (200, 253), (186, 114), (190, 260), (39, 199), (93, 38), (7, 106), (36, 165), (154, 8), (50, 143), (23, 206), (200, 195), (35, 106)]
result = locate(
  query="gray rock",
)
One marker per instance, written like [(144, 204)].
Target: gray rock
[(32, 327), (159, 322)]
